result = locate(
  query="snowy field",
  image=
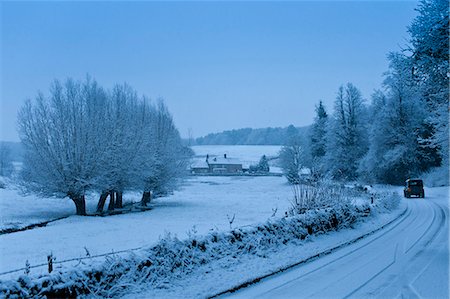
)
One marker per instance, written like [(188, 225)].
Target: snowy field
[(202, 204)]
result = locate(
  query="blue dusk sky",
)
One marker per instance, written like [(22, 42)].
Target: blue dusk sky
[(218, 65)]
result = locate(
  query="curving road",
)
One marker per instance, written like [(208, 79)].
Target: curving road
[(407, 259)]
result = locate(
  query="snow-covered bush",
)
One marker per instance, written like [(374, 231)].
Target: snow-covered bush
[(316, 197), (386, 201)]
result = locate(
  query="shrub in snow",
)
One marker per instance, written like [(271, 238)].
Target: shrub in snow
[(311, 197)]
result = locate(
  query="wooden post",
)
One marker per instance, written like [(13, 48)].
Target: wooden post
[(50, 263)]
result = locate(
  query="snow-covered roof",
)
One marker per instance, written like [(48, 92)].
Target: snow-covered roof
[(223, 160), (199, 164)]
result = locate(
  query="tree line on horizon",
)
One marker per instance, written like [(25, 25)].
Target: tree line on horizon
[(250, 136)]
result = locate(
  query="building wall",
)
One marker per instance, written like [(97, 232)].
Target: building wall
[(225, 168), (200, 170)]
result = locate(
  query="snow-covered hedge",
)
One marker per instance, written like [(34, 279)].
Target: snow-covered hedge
[(386, 201), (171, 257)]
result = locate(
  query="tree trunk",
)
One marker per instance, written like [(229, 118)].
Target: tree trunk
[(111, 201), (146, 198), (118, 204), (80, 204), (102, 201)]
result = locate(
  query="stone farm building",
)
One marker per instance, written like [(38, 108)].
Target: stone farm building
[(217, 165)]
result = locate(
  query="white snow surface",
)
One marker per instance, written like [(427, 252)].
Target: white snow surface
[(205, 203)]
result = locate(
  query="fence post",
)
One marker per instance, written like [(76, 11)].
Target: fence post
[(50, 263)]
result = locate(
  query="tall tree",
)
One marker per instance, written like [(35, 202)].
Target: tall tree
[(318, 140), (397, 147), (348, 134), (291, 156), (170, 157), (430, 66), (60, 134), (318, 132)]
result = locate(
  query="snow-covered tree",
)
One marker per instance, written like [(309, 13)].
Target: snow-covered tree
[(398, 147), (430, 67), (169, 157), (291, 162), (409, 121), (292, 156), (318, 140), (263, 164), (62, 138), (82, 138), (347, 137), (121, 165), (6, 166), (318, 132)]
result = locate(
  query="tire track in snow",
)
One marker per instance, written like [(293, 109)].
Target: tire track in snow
[(391, 224)]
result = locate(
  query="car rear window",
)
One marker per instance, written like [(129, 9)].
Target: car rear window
[(415, 183)]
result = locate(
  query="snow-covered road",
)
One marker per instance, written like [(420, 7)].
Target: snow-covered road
[(410, 258)]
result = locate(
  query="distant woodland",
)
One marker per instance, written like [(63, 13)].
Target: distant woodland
[(249, 136)]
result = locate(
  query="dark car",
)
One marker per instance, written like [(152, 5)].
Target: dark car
[(414, 187)]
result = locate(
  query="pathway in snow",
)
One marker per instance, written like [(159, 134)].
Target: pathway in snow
[(408, 259)]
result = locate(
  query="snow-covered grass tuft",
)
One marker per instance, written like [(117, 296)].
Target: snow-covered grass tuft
[(171, 257)]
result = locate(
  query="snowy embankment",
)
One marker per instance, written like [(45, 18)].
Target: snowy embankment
[(167, 268)]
